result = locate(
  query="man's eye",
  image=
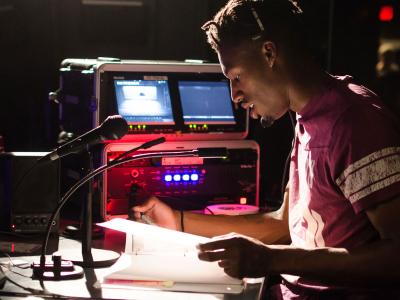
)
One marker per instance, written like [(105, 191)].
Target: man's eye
[(237, 78)]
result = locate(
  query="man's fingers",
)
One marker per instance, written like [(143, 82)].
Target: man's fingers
[(212, 255), (224, 263), (145, 207), (137, 215), (139, 209), (230, 268), (233, 272), (218, 244)]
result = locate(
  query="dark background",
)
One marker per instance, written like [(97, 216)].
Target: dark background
[(36, 35)]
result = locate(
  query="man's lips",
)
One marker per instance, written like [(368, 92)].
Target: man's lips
[(253, 114), (250, 107), (246, 105)]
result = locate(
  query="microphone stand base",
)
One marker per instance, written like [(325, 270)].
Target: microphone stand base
[(57, 275)]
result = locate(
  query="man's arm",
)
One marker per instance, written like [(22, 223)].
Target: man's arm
[(373, 265), (268, 227)]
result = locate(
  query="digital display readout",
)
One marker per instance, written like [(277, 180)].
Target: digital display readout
[(179, 161)]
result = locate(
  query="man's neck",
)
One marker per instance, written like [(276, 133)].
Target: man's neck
[(304, 87)]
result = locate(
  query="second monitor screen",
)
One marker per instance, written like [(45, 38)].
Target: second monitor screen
[(206, 102)]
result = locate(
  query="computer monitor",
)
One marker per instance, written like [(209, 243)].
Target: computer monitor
[(181, 101), (144, 101), (206, 102)]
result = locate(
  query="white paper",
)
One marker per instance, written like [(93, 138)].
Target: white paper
[(156, 253), (147, 238)]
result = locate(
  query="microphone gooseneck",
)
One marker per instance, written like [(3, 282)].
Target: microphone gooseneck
[(201, 152), (143, 146)]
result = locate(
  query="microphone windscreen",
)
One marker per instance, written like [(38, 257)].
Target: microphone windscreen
[(212, 152), (114, 127), (266, 122)]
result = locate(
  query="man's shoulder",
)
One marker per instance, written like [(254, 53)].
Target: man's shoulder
[(360, 111)]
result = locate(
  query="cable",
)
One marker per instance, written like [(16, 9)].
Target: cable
[(15, 272), (286, 167), (8, 256), (31, 290), (208, 209), (19, 182), (12, 263)]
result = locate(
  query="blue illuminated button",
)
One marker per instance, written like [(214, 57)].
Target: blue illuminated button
[(168, 178), (194, 177), (177, 177), (185, 177)]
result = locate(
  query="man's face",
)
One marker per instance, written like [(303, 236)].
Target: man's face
[(254, 83)]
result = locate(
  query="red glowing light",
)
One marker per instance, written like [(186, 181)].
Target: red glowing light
[(386, 13)]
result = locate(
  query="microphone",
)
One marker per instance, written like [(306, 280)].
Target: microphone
[(113, 128), (266, 122)]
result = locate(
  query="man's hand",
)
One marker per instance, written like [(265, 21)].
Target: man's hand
[(160, 213), (240, 256)]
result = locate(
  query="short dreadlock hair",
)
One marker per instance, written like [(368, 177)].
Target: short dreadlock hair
[(245, 20)]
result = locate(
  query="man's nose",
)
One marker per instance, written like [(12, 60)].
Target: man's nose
[(237, 95)]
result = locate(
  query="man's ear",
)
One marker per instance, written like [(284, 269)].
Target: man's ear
[(269, 52)]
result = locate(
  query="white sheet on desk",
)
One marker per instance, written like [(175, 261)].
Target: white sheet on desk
[(150, 237), (187, 269)]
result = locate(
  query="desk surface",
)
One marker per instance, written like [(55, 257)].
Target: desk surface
[(89, 287)]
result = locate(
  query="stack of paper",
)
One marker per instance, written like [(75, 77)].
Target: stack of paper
[(166, 259)]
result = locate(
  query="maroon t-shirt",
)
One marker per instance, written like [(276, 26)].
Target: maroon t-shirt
[(346, 159)]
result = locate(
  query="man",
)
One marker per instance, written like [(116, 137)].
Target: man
[(341, 208)]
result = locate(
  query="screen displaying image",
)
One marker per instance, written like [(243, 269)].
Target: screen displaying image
[(144, 101), (206, 102)]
